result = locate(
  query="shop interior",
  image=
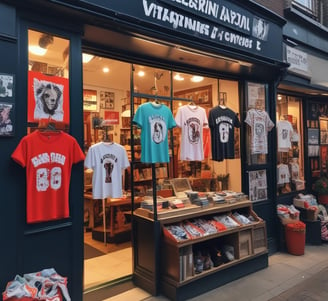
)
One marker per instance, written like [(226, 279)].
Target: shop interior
[(109, 92)]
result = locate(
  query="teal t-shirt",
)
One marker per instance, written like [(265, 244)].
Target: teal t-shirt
[(154, 120)]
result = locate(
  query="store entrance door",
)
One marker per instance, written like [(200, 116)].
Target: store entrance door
[(107, 241)]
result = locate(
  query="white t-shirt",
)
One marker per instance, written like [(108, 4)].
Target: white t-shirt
[(294, 170), (284, 135), (260, 124), (191, 119), (107, 160), (283, 175)]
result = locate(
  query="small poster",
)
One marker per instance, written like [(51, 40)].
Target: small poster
[(48, 98), (6, 85), (258, 185), (89, 100), (6, 117), (107, 100), (313, 136)]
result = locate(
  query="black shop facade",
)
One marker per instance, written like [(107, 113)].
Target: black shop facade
[(209, 53)]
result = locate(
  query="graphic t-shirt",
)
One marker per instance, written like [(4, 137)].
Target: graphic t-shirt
[(260, 124), (283, 175), (222, 122), (294, 170), (154, 120), (191, 119), (107, 160), (284, 135), (48, 158)]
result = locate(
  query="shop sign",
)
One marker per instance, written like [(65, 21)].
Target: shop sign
[(297, 59), (217, 21)]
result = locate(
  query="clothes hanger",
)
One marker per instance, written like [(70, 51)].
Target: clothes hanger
[(49, 126)]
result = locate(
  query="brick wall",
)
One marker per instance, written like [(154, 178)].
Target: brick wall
[(275, 5)]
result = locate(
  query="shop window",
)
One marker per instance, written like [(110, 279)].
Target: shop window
[(310, 8), (48, 74), (258, 123), (290, 154)]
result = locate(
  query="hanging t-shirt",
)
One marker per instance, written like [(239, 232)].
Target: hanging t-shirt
[(260, 124), (107, 160), (294, 170), (284, 134), (154, 120), (222, 122), (48, 158), (283, 175), (191, 119)]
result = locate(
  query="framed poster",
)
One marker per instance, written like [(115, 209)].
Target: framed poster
[(323, 123), (89, 100), (107, 100), (48, 98), (6, 119), (6, 85), (200, 95), (258, 185), (256, 96)]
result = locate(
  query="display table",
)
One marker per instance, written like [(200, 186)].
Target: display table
[(164, 265), (116, 215)]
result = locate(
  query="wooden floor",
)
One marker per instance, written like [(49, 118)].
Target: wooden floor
[(109, 247)]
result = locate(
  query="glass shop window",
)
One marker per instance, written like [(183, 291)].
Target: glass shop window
[(48, 80), (258, 123), (290, 153)]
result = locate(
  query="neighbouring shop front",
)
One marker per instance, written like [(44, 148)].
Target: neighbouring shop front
[(221, 60)]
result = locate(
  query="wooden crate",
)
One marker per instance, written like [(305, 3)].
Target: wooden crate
[(259, 238), (245, 243)]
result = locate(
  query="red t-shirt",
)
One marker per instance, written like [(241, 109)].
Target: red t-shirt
[(48, 158)]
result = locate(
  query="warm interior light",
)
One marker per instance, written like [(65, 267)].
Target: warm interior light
[(86, 58), (126, 113), (105, 69), (37, 50), (279, 97), (141, 73), (178, 77), (197, 79)]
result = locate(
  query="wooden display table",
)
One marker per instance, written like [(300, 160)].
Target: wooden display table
[(117, 216)]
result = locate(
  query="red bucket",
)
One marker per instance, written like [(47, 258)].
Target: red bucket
[(295, 238)]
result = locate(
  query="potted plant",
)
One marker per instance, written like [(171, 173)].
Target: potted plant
[(321, 188)]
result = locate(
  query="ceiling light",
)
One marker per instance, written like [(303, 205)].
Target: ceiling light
[(86, 58), (178, 77), (37, 50), (105, 69), (197, 79), (141, 73)]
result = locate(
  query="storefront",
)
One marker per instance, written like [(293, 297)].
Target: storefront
[(302, 96), (236, 52)]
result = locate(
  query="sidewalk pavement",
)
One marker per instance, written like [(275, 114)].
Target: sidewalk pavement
[(288, 277)]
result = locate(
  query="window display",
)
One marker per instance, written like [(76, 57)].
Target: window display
[(290, 155)]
